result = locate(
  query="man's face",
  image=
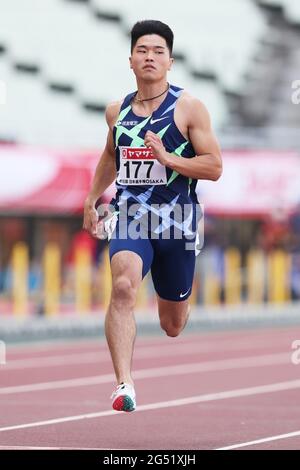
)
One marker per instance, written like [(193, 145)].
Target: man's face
[(150, 58)]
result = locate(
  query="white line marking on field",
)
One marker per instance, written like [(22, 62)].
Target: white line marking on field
[(237, 393), (213, 341), (100, 356), (65, 345), (56, 361), (189, 368), (261, 441)]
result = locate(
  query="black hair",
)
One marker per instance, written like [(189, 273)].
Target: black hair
[(152, 27)]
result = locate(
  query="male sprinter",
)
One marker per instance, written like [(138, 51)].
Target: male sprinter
[(159, 143)]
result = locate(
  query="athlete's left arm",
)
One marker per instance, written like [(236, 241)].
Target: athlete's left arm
[(207, 164)]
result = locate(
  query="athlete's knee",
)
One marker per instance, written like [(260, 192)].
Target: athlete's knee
[(171, 328), (123, 290), (174, 326), (172, 332)]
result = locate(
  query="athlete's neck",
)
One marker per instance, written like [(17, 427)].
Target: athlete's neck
[(149, 90)]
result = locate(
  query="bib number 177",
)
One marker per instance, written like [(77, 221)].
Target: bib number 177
[(138, 166), (135, 166)]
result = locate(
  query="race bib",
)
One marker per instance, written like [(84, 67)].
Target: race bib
[(138, 166)]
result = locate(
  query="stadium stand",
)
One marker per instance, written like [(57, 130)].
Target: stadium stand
[(67, 79), (266, 112)]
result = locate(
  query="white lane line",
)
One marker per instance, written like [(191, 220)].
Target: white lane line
[(237, 393), (100, 356), (65, 345), (181, 369), (103, 356), (54, 358), (261, 441), (54, 345), (205, 344), (56, 361), (71, 343)]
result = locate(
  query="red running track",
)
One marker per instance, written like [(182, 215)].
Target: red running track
[(212, 390)]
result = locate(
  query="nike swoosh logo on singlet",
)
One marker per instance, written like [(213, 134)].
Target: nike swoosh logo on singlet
[(153, 121)]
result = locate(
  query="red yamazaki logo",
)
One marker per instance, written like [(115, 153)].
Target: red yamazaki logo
[(139, 153)]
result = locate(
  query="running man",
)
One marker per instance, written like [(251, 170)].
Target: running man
[(159, 143)]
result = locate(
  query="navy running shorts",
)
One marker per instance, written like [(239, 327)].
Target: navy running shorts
[(172, 264)]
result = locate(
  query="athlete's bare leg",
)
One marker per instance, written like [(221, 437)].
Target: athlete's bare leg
[(120, 327), (173, 315)]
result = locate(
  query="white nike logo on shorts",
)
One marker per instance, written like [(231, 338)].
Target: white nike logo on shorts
[(183, 295), (153, 121)]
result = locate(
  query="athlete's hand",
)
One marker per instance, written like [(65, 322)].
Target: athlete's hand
[(90, 220), (155, 143)]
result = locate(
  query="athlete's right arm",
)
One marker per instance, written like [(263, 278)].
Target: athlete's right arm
[(105, 173)]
